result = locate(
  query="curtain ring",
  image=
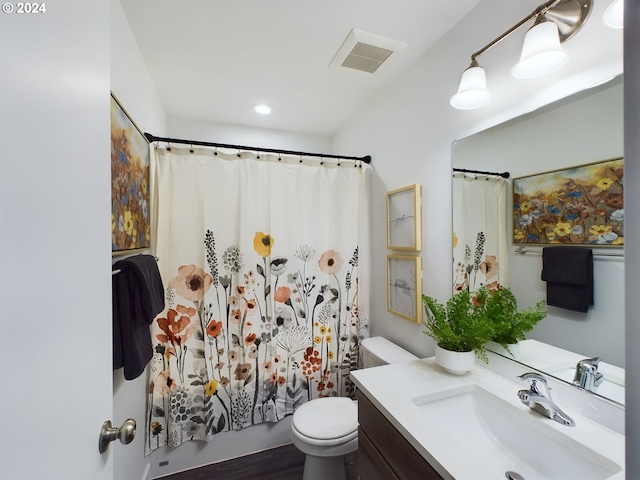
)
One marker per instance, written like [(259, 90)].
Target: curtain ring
[(215, 151), (191, 149)]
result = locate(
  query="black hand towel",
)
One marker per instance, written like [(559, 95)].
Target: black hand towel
[(568, 272), (138, 296)]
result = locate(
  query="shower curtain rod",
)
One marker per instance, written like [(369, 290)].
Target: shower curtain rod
[(497, 174), (153, 138)]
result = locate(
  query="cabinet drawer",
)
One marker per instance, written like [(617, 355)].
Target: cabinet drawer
[(371, 465), (399, 454)]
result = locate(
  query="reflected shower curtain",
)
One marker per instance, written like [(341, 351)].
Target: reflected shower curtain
[(264, 261), (480, 256)]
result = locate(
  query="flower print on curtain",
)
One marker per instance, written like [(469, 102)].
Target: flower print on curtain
[(266, 301), (479, 233)]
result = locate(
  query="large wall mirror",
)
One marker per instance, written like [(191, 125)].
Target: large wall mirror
[(579, 130)]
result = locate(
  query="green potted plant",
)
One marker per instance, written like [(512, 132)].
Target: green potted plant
[(510, 324), (461, 326)]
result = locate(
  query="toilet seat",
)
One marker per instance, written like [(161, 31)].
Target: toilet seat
[(326, 421)]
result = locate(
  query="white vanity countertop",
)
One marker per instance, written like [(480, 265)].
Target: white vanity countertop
[(391, 389)]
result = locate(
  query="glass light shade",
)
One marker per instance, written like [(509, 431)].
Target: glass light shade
[(472, 92), (541, 52), (614, 15)]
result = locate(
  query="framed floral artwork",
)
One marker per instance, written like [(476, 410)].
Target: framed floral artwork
[(582, 205), (130, 219), (404, 287), (403, 219)]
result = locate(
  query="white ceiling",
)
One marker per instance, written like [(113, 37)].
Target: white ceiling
[(213, 59)]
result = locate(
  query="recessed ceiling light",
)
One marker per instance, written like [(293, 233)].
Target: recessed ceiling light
[(262, 109)]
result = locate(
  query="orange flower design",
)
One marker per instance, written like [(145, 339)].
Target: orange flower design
[(282, 294), (214, 328), (330, 262), (251, 306), (176, 328), (191, 283), (490, 266), (236, 316), (243, 370), (164, 384)]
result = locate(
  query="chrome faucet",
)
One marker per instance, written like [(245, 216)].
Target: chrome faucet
[(538, 398), (587, 375)]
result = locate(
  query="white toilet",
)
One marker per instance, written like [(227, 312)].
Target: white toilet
[(326, 429)]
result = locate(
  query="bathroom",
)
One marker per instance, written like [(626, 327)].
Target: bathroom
[(419, 152)]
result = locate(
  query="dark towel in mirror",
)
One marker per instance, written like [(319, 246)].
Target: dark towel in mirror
[(568, 272), (138, 296)]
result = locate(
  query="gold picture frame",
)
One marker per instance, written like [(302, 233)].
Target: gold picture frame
[(403, 219), (580, 205), (130, 203), (404, 287)]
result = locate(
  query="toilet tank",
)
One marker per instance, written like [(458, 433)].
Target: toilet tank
[(380, 351)]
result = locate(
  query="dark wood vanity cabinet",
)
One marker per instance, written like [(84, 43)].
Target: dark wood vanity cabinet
[(383, 453)]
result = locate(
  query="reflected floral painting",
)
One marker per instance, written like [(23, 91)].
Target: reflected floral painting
[(130, 225), (577, 206)]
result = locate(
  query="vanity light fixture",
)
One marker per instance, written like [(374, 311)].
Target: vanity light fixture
[(472, 92), (541, 52), (554, 22), (262, 109), (613, 15)]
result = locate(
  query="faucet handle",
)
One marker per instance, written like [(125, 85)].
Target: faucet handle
[(536, 377), (590, 362), (587, 375)]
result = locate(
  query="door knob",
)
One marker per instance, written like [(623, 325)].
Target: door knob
[(108, 434)]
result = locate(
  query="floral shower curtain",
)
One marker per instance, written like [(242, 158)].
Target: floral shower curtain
[(480, 256), (264, 261)]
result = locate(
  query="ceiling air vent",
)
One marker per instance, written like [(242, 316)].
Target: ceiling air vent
[(365, 52)]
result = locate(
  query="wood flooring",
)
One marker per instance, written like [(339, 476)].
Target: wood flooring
[(281, 463)]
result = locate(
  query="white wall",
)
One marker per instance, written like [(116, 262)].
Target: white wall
[(132, 85), (586, 128), (408, 130), (55, 300), (191, 129)]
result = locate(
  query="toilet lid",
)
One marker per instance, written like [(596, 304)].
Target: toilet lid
[(326, 418)]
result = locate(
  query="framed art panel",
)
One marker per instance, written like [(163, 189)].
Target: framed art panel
[(130, 216), (404, 287), (582, 205), (403, 219)]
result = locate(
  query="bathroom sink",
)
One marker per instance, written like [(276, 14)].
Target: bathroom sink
[(611, 387), (507, 440)]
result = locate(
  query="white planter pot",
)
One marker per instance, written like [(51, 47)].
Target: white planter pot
[(455, 363)]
